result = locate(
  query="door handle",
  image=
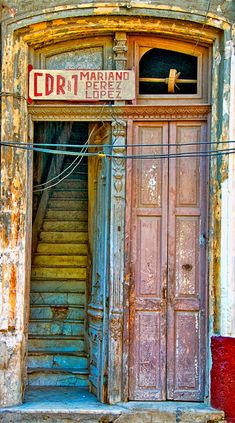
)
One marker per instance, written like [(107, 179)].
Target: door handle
[(164, 293), (164, 289)]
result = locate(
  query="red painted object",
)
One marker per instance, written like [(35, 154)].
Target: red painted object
[(223, 375)]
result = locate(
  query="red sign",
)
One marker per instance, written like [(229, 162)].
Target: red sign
[(88, 85)]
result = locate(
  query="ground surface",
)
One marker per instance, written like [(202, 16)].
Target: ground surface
[(66, 405)]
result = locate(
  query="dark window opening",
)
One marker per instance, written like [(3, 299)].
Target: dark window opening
[(167, 72)]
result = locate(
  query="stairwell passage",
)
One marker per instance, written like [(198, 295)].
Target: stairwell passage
[(57, 354)]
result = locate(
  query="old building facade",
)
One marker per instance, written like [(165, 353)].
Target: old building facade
[(118, 275)]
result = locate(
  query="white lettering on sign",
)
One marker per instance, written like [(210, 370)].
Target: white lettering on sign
[(80, 85)]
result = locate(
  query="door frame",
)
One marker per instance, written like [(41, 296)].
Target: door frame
[(32, 34)]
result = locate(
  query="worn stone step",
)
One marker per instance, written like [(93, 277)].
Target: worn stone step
[(76, 174), (59, 226), (67, 204), (57, 298), (46, 248), (70, 159), (78, 177), (59, 273), (56, 328), (70, 194), (76, 140), (71, 312), (72, 184), (82, 167), (57, 378), (54, 370), (74, 215), (42, 260), (72, 405), (58, 361), (38, 285), (63, 237), (55, 343)]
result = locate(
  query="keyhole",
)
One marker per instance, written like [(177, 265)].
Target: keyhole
[(187, 267)]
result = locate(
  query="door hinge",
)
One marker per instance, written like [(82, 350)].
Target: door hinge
[(202, 240)]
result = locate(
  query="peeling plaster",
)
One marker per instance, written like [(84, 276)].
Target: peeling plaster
[(15, 127)]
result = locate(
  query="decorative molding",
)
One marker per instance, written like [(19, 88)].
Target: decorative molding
[(117, 215), (118, 165), (48, 112), (116, 326), (120, 50), (97, 313), (117, 236)]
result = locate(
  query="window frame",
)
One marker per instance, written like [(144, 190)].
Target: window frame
[(141, 45)]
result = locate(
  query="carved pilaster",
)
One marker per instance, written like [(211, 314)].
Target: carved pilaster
[(120, 50), (117, 222), (116, 326), (117, 213)]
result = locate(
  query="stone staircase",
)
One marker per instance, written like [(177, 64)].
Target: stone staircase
[(57, 346)]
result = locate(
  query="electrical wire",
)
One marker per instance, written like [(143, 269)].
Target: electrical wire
[(60, 174), (84, 149), (176, 155), (76, 161), (14, 95), (73, 163), (137, 156), (47, 150), (203, 25), (58, 182), (15, 143)]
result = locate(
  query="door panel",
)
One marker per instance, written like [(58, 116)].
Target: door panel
[(148, 259), (168, 271), (186, 264)]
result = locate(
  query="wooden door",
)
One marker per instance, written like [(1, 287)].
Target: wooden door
[(167, 264), (97, 310)]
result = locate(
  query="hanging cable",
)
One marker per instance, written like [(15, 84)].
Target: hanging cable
[(78, 160), (47, 150), (192, 154), (14, 95), (203, 25), (76, 165), (129, 156), (58, 182), (60, 174), (74, 162), (15, 143)]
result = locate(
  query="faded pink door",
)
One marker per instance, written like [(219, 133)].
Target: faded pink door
[(166, 225)]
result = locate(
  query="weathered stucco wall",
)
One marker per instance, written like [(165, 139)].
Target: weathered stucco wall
[(27, 24), (224, 8)]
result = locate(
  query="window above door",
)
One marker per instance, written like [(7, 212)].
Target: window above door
[(169, 71)]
